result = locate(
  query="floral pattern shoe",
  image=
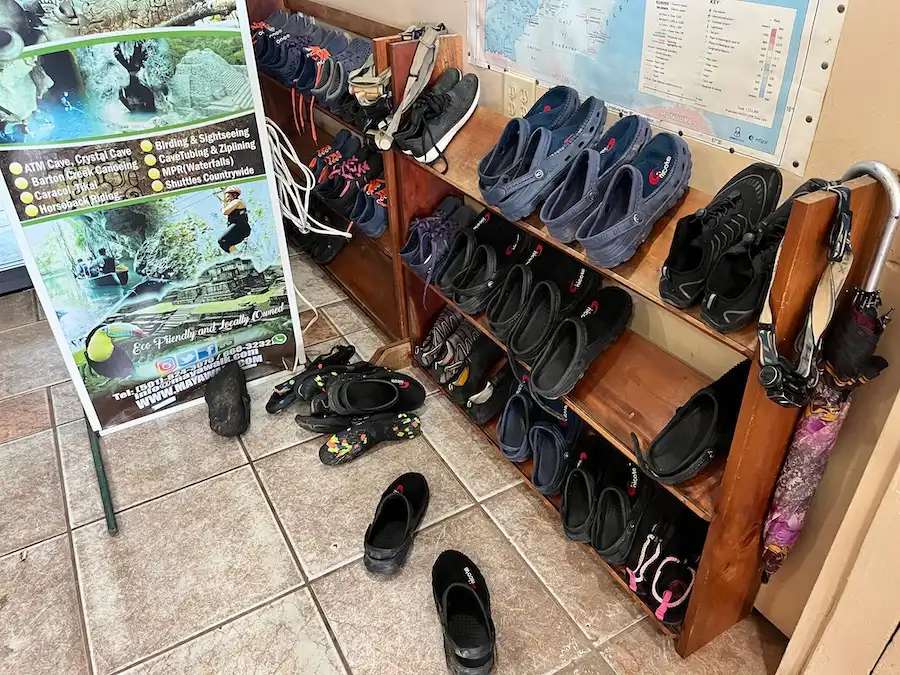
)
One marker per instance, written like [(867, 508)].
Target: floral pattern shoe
[(349, 444)]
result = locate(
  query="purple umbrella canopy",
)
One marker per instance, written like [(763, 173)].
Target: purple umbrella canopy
[(848, 361)]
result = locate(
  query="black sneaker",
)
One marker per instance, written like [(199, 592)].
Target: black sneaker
[(425, 109), (738, 282), (400, 511), (701, 238), (456, 107)]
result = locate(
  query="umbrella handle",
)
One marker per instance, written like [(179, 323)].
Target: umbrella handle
[(888, 179)]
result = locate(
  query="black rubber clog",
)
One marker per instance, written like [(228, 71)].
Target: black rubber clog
[(577, 341), (463, 604), (399, 513)]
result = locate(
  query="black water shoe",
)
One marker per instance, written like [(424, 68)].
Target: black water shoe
[(389, 538), (463, 604)]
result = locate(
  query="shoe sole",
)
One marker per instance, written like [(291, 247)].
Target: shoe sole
[(444, 141)]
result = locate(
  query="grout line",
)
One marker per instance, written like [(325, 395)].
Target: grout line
[(79, 599), (239, 615), (422, 530), (167, 493), (626, 629), (495, 493), (296, 557), (45, 385), (537, 574)]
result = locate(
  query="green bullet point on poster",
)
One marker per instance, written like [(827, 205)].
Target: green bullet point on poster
[(15, 168), (26, 197), (146, 146), (150, 160), (31, 211), (21, 183)]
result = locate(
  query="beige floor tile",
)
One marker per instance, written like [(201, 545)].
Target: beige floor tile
[(66, 405), (349, 318), (24, 415), (478, 463), (534, 635), (180, 565), (367, 341), (31, 506), (271, 433), (29, 359), (326, 509), (144, 461), (592, 664), (17, 309), (599, 606), (40, 632), (430, 385), (752, 647), (323, 329), (316, 286), (286, 637)]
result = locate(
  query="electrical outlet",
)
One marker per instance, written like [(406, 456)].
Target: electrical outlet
[(519, 93)]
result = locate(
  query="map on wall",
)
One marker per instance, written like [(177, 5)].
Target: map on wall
[(745, 75)]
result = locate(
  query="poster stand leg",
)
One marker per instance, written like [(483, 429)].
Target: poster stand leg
[(105, 497)]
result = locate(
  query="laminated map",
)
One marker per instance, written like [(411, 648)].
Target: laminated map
[(748, 76)]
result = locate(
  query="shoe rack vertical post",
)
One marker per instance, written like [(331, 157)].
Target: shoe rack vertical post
[(729, 574)]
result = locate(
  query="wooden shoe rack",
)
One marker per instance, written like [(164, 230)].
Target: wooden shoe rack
[(368, 270), (636, 386)]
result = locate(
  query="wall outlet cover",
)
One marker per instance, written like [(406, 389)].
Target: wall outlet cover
[(519, 94)]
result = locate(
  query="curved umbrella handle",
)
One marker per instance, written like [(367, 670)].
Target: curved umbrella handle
[(888, 179)]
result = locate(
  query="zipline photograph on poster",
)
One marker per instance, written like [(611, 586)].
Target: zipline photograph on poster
[(139, 188)]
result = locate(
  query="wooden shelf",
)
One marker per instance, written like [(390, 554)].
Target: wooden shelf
[(328, 113), (632, 387), (489, 431), (640, 274)]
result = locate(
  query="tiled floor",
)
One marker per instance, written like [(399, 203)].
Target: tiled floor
[(243, 556)]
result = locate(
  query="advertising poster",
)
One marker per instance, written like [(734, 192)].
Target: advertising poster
[(137, 185)]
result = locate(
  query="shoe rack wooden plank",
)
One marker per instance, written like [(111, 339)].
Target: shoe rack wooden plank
[(526, 468), (633, 387), (740, 491), (730, 571), (640, 274), (343, 20)]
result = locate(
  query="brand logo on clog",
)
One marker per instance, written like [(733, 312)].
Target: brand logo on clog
[(403, 384), (609, 146), (633, 483), (513, 246), (535, 253), (590, 309), (469, 576), (656, 176), (575, 285)]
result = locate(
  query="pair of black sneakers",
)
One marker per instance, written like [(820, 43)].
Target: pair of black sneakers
[(723, 255), (460, 592), (437, 116)]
